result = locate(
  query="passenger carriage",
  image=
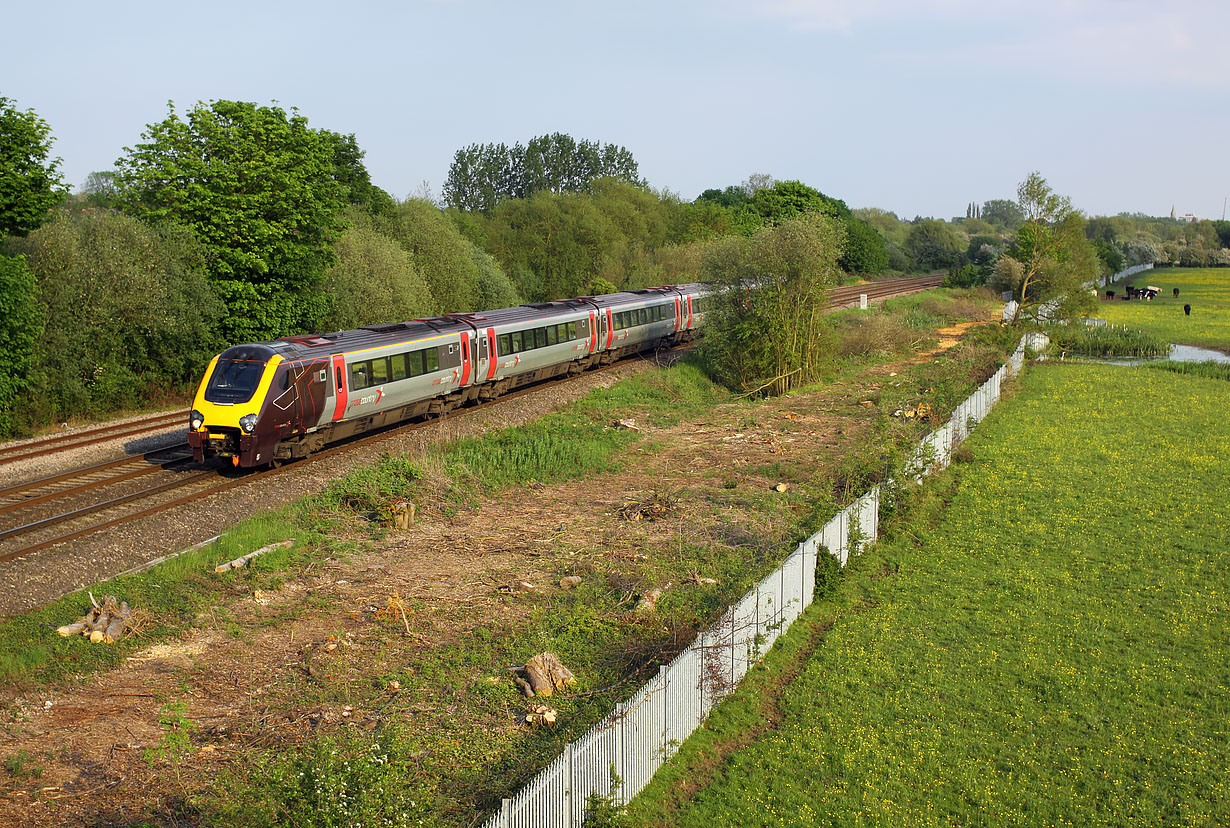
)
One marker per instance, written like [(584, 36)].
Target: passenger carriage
[(268, 402)]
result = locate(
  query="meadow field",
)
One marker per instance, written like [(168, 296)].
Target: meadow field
[(1040, 637), (1207, 290)]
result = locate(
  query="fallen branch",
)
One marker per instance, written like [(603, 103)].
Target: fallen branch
[(242, 560)]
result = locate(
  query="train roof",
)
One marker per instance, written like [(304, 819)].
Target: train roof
[(312, 346), (525, 313), (631, 297)]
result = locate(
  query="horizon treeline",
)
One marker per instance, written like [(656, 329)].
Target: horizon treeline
[(232, 222)]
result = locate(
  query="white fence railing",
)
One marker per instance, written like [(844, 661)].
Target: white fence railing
[(1126, 272), (643, 732)]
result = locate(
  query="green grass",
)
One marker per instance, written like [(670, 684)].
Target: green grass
[(1042, 639), (1207, 290)]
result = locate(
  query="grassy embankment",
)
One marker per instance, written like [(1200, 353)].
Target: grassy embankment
[(1040, 640), (1207, 290), (448, 764)]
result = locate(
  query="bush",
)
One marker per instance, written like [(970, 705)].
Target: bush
[(130, 308), (21, 324), (374, 281)]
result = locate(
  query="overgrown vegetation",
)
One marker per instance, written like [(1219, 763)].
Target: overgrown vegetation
[(1208, 369), (766, 332), (1036, 636), (1106, 341)]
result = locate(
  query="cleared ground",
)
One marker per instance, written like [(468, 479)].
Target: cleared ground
[(262, 696)]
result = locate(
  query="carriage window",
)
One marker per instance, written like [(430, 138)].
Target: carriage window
[(540, 338), (516, 347), (552, 334), (397, 367), (503, 343), (380, 371), (572, 330), (433, 359), (359, 376)]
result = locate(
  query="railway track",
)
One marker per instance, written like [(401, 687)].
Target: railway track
[(64, 442), (45, 527)]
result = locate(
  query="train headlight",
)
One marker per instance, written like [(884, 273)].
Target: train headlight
[(247, 422), (196, 419)]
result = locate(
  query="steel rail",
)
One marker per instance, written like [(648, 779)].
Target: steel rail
[(153, 468), (12, 454)]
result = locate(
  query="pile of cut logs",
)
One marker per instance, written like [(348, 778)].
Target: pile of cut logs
[(102, 624)]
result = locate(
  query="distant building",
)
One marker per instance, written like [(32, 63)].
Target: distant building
[(1187, 217)]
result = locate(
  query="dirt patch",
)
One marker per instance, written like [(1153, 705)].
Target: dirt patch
[(235, 682)]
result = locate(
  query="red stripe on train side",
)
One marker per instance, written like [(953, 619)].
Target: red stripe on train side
[(491, 354), (339, 378), (465, 358), (678, 314), (593, 332), (689, 313), (610, 327)]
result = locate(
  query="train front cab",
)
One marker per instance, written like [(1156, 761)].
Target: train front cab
[(226, 411)]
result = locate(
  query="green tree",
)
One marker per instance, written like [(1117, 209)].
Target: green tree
[(483, 175), (133, 311), (21, 325), (865, 250), (100, 189), (933, 244), (1223, 232), (495, 288), (767, 333), (262, 191), (30, 181), (373, 281), (1056, 259), (1003, 211), (440, 253)]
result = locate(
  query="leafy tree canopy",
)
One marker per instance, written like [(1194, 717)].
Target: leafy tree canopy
[(131, 305), (483, 175), (30, 181), (933, 244), (1003, 211), (21, 324), (1055, 257), (263, 191)]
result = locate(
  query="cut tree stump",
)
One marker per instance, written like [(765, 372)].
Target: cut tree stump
[(119, 622), (546, 674), (402, 515)]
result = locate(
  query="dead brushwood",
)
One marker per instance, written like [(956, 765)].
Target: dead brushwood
[(656, 506)]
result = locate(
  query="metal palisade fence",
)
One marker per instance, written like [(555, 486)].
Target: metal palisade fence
[(643, 732)]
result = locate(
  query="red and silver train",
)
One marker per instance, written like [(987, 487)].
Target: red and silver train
[(269, 402)]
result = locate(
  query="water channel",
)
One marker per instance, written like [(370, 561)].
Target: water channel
[(1178, 353)]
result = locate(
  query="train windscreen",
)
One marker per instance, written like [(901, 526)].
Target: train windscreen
[(234, 381)]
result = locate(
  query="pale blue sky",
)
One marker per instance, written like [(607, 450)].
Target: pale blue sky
[(916, 107)]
